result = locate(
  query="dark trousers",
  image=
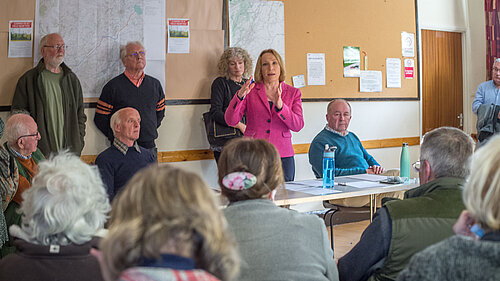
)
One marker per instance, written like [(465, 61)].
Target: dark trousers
[(288, 165), (217, 156)]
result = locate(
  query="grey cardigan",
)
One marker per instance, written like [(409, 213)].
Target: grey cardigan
[(456, 258), (280, 244)]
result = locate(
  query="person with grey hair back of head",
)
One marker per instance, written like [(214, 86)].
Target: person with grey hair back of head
[(62, 211), (474, 252), (402, 228), (133, 88)]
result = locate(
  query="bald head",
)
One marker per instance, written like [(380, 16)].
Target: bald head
[(338, 115), (22, 133), (126, 125)]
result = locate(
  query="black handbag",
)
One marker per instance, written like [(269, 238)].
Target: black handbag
[(218, 134)]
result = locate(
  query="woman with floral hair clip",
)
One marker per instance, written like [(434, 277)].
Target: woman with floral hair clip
[(274, 243)]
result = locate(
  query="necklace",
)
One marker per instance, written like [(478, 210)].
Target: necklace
[(239, 83)]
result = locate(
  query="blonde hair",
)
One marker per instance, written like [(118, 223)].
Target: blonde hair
[(258, 67), (482, 190), (229, 54), (256, 156), (166, 206)]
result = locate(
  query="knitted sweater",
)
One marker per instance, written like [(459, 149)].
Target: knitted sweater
[(117, 168), (350, 157), (148, 99), (456, 258)]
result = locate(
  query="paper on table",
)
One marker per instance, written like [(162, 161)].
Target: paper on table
[(363, 184), (307, 183), (368, 177), (310, 190)]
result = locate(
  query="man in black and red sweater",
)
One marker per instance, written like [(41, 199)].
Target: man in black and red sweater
[(134, 89)]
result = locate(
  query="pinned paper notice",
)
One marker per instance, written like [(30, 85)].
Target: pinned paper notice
[(409, 68), (178, 36), (393, 72), (408, 44), (315, 69), (298, 81), (370, 81), (20, 38)]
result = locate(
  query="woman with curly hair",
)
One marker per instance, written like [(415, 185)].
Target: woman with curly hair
[(165, 225), (234, 68)]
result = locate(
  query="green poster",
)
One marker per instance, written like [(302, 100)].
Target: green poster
[(351, 61)]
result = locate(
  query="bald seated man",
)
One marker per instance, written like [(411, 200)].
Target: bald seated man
[(22, 166), (124, 157), (351, 157), (52, 95)]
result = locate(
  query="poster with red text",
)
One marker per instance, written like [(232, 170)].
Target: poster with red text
[(409, 68), (20, 39)]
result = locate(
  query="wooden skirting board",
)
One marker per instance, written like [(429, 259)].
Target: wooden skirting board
[(302, 148)]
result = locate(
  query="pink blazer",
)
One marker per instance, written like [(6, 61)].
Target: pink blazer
[(266, 123)]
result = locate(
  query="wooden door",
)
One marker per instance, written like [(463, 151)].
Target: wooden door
[(442, 87)]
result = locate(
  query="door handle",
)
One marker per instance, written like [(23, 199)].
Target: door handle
[(461, 118)]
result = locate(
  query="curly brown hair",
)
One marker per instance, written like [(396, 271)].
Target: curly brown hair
[(230, 53)]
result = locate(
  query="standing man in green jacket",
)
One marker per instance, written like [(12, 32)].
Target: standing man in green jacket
[(426, 216), (52, 94)]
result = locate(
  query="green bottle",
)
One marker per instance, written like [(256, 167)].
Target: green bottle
[(404, 164)]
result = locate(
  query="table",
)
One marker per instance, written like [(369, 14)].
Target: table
[(289, 195), (307, 191)]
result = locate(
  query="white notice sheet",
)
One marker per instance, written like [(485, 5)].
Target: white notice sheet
[(370, 81), (315, 69), (178, 36), (393, 72)]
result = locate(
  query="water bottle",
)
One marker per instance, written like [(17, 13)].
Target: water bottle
[(329, 166), (404, 164)]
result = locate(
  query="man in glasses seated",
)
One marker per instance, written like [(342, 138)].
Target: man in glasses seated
[(134, 89), (426, 216), (52, 94), (19, 167)]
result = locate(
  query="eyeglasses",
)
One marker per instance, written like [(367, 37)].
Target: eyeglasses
[(58, 47), (137, 54), (36, 135), (416, 166)]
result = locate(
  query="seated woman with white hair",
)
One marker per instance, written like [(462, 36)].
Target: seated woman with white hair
[(165, 225), (474, 252), (61, 212)]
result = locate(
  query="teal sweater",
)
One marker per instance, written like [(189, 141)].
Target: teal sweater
[(350, 157)]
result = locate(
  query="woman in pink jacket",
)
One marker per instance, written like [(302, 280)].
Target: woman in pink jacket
[(272, 108)]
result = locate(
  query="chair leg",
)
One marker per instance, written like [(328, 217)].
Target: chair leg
[(331, 212)]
